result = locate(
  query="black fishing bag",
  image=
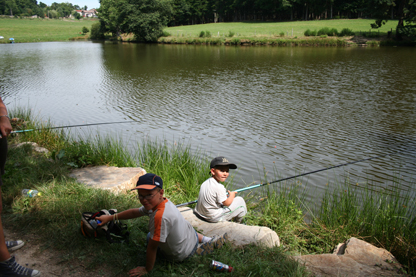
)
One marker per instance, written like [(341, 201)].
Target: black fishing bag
[(114, 231)]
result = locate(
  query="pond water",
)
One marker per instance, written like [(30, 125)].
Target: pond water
[(289, 110)]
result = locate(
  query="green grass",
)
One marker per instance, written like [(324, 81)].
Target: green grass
[(385, 218), (232, 33), (274, 29), (38, 30), (55, 216)]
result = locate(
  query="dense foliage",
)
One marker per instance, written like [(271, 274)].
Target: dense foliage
[(31, 8), (144, 18)]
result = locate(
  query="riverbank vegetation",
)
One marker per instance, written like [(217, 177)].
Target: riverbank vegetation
[(146, 19), (280, 33), (233, 33), (385, 218)]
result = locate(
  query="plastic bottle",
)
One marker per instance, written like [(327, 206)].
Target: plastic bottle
[(30, 192), (94, 223), (218, 266)]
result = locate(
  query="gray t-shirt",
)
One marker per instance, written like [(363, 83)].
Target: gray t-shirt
[(175, 235), (211, 196)]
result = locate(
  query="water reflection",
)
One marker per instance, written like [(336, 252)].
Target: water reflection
[(298, 109)]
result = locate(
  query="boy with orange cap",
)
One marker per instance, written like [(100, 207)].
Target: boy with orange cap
[(169, 232)]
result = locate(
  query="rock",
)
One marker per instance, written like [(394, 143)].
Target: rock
[(35, 147), (239, 234), (353, 258), (116, 179)]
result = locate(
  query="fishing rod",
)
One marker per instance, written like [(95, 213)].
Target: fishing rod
[(70, 126), (296, 176)]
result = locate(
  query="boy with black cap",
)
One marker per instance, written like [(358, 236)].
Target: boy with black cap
[(213, 203), (169, 232)]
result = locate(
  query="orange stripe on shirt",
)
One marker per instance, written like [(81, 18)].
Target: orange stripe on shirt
[(158, 220)]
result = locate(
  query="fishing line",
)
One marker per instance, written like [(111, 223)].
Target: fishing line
[(70, 126), (299, 175)]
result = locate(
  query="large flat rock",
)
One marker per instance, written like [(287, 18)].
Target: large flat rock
[(238, 234), (116, 179), (353, 258)]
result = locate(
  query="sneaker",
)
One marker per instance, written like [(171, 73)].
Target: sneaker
[(206, 248), (12, 268), (219, 241), (14, 244)]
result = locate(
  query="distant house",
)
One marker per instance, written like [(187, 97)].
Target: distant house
[(89, 13)]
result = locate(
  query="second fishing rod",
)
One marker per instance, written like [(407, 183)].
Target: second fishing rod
[(296, 176)]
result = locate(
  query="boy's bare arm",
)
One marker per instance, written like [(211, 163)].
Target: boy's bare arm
[(151, 252), (5, 126), (127, 214), (230, 199)]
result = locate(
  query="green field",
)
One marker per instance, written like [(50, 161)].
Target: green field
[(267, 29), (37, 30)]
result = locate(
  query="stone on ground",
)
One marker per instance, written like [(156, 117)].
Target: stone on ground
[(353, 258), (116, 179)]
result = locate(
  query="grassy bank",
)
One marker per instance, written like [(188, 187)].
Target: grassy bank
[(39, 30), (277, 29), (279, 33), (384, 218), (232, 33)]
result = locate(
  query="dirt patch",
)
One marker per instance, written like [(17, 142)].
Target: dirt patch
[(49, 262)]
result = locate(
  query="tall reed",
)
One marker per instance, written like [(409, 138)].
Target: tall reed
[(183, 171)]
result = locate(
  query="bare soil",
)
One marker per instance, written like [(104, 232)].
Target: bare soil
[(49, 262)]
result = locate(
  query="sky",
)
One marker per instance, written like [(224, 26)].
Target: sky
[(91, 4)]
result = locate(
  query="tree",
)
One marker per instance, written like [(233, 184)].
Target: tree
[(76, 15), (12, 7), (405, 10), (112, 14), (97, 31), (147, 18), (85, 30), (144, 18)]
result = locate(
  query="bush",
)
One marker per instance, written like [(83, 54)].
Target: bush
[(231, 34), (282, 34), (165, 34), (97, 32), (205, 34), (235, 41), (333, 32), (85, 30), (310, 33), (323, 31), (307, 33), (346, 32)]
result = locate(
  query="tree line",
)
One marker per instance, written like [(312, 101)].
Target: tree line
[(31, 7), (147, 18)]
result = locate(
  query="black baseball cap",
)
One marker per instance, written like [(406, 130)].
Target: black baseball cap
[(222, 161), (149, 181)]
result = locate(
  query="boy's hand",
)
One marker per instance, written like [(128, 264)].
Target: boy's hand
[(230, 199), (232, 193), (5, 126), (104, 219), (138, 271)]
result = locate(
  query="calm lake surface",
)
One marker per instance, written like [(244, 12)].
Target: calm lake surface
[(290, 110)]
